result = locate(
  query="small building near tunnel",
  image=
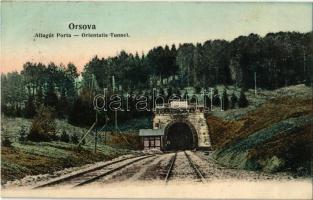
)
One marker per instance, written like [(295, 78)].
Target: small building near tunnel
[(152, 138)]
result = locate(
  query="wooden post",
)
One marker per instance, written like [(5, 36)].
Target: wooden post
[(96, 132)]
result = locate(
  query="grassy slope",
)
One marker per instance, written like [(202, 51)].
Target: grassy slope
[(258, 140), (46, 157)]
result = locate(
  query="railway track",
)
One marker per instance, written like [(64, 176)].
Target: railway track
[(196, 170), (170, 169), (94, 174), (89, 176)]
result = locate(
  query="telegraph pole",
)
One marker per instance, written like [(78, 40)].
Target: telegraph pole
[(96, 132), (115, 117)]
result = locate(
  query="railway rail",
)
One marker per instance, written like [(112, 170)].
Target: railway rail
[(197, 171), (170, 169), (94, 174), (89, 176), (195, 168)]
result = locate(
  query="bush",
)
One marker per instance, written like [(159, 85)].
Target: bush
[(65, 137), (22, 134), (43, 125), (74, 139), (8, 111), (6, 142)]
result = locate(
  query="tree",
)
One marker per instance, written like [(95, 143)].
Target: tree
[(186, 95), (185, 62), (243, 102), (234, 100), (13, 93), (169, 94), (30, 109), (51, 98), (194, 100), (207, 101), (63, 106), (177, 93), (198, 89), (216, 98), (82, 112), (225, 100), (39, 98)]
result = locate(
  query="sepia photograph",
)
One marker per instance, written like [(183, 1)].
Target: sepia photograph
[(166, 100)]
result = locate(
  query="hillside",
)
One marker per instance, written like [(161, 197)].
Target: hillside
[(273, 136), (33, 158)]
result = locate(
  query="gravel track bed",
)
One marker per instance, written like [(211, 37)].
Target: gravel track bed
[(214, 171), (76, 180), (158, 171), (151, 169), (182, 169), (32, 181), (130, 173)]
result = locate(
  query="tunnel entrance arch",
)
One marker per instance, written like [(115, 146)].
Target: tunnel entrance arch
[(180, 135)]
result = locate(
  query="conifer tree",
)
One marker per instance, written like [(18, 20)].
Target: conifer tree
[(30, 109), (39, 98), (234, 100), (225, 100), (63, 105), (243, 102), (216, 97), (51, 98)]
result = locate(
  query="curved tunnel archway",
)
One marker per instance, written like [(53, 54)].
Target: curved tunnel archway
[(180, 136)]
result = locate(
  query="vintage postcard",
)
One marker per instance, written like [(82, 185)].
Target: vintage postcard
[(202, 100)]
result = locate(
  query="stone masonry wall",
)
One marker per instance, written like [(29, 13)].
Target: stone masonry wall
[(197, 119)]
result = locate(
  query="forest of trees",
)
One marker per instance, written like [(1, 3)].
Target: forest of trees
[(277, 59)]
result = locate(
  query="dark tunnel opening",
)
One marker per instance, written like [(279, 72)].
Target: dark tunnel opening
[(179, 137)]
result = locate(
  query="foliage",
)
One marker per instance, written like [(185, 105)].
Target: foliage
[(6, 141), (64, 137), (74, 139), (278, 60), (225, 100), (216, 98), (234, 100), (242, 102), (34, 158), (43, 125), (22, 134), (30, 109)]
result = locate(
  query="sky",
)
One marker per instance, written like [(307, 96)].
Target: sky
[(149, 24)]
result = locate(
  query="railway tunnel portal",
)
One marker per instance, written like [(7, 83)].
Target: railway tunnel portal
[(183, 129)]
